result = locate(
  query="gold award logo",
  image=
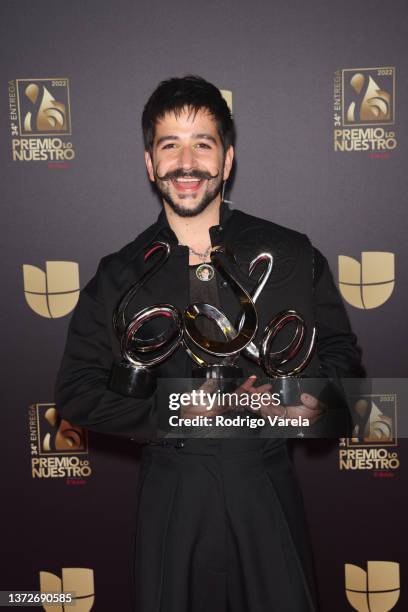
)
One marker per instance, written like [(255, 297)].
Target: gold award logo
[(58, 448), (77, 580), (42, 112), (57, 435), (364, 109), (368, 284), (374, 438), (374, 590), (364, 101), (40, 120), (55, 292)]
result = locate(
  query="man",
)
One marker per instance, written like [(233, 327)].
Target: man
[(220, 522)]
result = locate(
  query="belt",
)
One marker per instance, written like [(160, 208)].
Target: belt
[(210, 445), (175, 443)]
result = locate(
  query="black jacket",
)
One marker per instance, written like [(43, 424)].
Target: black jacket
[(300, 279)]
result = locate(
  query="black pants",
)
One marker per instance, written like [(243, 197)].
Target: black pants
[(220, 527)]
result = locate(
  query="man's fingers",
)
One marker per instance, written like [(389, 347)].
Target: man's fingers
[(263, 388), (209, 386), (247, 385), (310, 402)]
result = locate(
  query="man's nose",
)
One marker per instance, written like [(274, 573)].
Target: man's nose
[(187, 159)]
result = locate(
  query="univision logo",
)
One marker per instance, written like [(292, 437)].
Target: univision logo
[(55, 292), (377, 589), (227, 95), (77, 580), (368, 284)]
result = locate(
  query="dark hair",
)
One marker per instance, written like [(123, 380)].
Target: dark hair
[(191, 92)]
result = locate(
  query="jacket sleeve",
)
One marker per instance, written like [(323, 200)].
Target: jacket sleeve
[(337, 347), (82, 394), (339, 356)]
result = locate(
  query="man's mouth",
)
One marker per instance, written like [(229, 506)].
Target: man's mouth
[(187, 184)]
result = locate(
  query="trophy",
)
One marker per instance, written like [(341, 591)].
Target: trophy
[(275, 364), (286, 381), (134, 374), (200, 348)]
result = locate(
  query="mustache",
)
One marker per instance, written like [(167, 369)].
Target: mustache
[(180, 173)]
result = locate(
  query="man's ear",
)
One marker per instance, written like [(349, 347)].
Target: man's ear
[(229, 158), (149, 165)]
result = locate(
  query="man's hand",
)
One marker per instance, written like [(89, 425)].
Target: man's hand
[(203, 408), (310, 408), (247, 388), (211, 386)]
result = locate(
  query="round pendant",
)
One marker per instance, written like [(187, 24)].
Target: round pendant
[(205, 272)]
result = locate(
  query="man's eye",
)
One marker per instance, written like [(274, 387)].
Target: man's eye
[(170, 145), (203, 145)]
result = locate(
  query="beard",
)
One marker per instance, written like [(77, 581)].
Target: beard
[(214, 187)]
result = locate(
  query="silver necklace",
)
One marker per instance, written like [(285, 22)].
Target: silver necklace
[(200, 255), (205, 272)]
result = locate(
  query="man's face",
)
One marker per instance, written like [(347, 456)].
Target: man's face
[(188, 162)]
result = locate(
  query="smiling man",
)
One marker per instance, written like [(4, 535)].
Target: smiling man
[(220, 523), (190, 162), (189, 154)]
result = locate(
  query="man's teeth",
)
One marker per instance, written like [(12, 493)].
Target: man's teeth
[(188, 180)]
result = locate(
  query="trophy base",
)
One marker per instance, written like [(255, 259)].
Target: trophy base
[(291, 388), (131, 380), (228, 376)]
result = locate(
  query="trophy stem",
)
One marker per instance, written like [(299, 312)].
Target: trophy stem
[(228, 376)]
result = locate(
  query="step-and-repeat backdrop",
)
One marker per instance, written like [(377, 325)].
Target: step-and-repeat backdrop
[(319, 94)]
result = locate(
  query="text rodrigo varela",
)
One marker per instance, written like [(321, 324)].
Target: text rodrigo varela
[(210, 401)]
